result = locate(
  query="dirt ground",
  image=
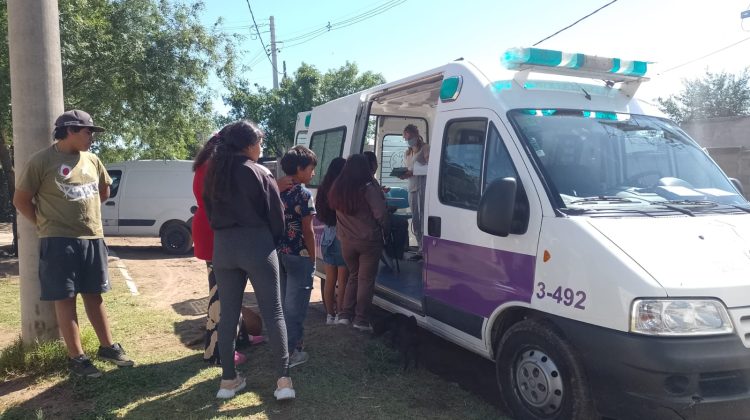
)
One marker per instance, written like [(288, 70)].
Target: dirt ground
[(179, 283)]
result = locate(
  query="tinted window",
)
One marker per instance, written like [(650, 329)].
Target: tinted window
[(327, 146), (499, 164), (116, 176), (461, 163), (302, 138)]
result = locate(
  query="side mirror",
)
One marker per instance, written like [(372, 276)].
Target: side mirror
[(495, 213), (738, 185)]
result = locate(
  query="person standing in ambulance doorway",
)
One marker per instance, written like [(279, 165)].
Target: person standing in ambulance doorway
[(415, 160), (61, 191)]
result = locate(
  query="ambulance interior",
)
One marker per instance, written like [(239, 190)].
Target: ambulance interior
[(390, 111)]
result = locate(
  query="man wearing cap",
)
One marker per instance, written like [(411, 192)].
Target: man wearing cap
[(61, 191)]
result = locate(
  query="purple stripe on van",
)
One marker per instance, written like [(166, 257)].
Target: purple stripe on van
[(476, 279)]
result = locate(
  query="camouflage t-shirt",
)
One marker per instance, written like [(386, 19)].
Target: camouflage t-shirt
[(66, 193)]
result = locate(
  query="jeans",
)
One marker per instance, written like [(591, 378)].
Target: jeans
[(296, 286)]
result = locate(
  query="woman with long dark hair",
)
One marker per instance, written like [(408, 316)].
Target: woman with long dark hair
[(203, 249), (361, 220), (247, 217), (335, 266)]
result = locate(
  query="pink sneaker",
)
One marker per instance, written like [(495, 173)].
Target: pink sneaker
[(239, 358), (257, 339)]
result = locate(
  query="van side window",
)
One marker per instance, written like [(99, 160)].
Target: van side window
[(301, 138), (498, 165), (461, 163), (327, 146), (498, 162), (116, 176)]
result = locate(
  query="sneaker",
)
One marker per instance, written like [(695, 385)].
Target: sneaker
[(82, 366), (343, 321), (257, 339), (415, 257), (115, 354), (297, 358), (284, 389), (239, 358), (330, 319), (230, 387), (364, 326)]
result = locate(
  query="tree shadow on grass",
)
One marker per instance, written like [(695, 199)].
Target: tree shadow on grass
[(144, 391)]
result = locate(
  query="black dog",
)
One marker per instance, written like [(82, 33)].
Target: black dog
[(404, 336)]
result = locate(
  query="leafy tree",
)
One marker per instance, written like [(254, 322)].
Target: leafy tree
[(276, 110), (141, 67), (715, 95)]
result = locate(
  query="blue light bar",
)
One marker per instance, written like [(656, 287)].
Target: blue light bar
[(523, 58)]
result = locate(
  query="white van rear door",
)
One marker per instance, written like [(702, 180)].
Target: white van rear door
[(336, 131), (469, 273), (110, 207)]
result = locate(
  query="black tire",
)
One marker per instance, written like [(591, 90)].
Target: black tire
[(539, 375), (176, 239)]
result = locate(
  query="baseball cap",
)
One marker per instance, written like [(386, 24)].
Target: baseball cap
[(77, 118)]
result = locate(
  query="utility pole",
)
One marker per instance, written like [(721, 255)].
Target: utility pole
[(36, 91), (273, 56)]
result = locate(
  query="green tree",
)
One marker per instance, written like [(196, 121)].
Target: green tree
[(276, 110), (715, 95)]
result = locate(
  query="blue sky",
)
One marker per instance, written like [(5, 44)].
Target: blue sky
[(416, 35)]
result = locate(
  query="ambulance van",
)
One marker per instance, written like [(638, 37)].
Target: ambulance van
[(574, 236)]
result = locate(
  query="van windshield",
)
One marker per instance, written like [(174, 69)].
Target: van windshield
[(593, 159)]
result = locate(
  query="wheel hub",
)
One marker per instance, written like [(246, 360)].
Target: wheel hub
[(539, 382)]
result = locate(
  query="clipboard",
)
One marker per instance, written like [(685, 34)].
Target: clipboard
[(399, 171)]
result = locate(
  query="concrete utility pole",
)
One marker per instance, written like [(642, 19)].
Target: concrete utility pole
[(36, 100), (273, 56)]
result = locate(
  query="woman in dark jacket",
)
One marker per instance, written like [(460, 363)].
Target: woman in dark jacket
[(361, 219), (247, 217)]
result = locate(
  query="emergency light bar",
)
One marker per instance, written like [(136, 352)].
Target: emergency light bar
[(539, 60)]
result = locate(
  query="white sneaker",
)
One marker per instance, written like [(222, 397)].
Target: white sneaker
[(229, 388), (343, 321), (330, 319), (365, 327), (284, 389), (297, 358)]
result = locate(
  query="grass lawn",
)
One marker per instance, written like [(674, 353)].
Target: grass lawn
[(349, 375)]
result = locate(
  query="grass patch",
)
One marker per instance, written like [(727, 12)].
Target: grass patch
[(48, 357), (10, 290), (349, 375)]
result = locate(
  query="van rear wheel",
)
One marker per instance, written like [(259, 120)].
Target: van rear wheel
[(539, 374), (176, 239)]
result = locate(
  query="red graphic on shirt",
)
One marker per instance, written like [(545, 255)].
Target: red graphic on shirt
[(65, 171)]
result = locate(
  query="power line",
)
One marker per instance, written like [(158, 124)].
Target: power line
[(704, 56), (575, 23), (309, 36), (263, 44)]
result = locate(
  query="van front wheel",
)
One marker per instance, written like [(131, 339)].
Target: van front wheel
[(176, 239), (539, 374)]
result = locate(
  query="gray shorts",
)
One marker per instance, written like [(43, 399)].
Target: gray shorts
[(68, 266)]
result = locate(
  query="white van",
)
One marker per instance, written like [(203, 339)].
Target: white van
[(586, 245), (152, 198)]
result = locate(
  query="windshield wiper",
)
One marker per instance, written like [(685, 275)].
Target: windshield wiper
[(603, 198), (674, 205)]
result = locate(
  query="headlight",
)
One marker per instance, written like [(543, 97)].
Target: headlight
[(680, 317)]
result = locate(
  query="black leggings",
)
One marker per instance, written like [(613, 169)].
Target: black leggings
[(240, 253)]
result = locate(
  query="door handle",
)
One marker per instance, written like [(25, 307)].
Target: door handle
[(109, 203), (433, 226)]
